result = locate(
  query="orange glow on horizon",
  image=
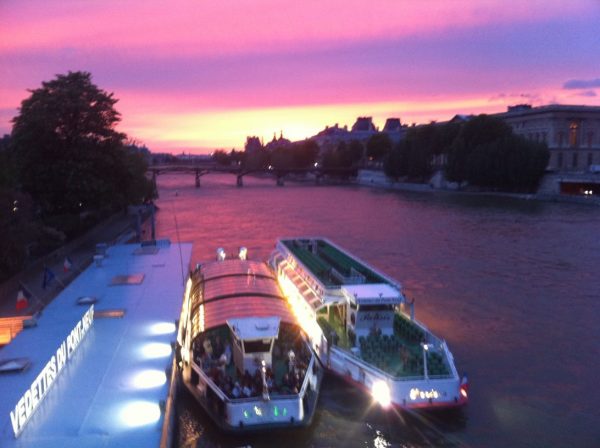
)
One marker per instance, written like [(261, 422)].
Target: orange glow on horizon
[(204, 131)]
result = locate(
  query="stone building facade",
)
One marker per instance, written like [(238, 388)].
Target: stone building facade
[(572, 133)]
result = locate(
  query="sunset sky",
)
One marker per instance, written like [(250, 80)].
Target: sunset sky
[(194, 75)]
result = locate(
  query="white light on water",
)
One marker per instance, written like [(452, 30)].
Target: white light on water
[(140, 413), (381, 393)]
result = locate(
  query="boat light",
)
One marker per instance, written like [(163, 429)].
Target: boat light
[(140, 413), (148, 379), (381, 393), (243, 253), (155, 350), (221, 255)]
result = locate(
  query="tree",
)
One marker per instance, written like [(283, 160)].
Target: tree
[(7, 169), (69, 156), (479, 130), (378, 146)]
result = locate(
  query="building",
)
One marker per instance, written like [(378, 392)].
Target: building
[(362, 130), (572, 133)]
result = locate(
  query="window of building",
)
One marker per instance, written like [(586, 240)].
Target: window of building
[(590, 159), (590, 139), (575, 160), (560, 139), (545, 137), (573, 129), (559, 161)]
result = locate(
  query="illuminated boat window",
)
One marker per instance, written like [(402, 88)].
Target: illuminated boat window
[(114, 314), (133, 279), (86, 300), (14, 365)]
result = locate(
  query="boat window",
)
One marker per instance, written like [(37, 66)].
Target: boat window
[(260, 346), (353, 305)]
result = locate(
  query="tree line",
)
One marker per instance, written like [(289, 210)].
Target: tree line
[(481, 152), (64, 167)]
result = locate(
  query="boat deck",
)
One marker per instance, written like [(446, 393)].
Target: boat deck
[(331, 266), (282, 378), (400, 354)]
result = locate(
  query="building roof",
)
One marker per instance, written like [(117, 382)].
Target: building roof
[(525, 109), (109, 390)]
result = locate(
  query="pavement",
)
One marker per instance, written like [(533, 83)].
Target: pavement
[(117, 229)]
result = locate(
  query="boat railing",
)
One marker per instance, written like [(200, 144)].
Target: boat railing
[(376, 370)]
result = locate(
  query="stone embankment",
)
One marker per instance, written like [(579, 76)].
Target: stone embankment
[(549, 190)]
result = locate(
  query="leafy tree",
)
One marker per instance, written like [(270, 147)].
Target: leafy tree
[(479, 130), (69, 156), (16, 220), (304, 153), (378, 146), (7, 168), (221, 157)]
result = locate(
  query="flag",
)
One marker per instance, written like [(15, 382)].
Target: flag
[(67, 264), (48, 277), (22, 302)]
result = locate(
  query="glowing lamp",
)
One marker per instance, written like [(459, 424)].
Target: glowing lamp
[(155, 350), (162, 328), (140, 413), (148, 379), (381, 393)]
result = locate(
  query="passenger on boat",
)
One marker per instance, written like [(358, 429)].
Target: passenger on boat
[(207, 347), (236, 392)]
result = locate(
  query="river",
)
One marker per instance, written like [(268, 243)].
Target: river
[(512, 285)]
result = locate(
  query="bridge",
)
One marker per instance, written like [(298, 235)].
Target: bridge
[(199, 170)]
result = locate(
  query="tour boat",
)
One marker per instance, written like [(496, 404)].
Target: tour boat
[(362, 328), (241, 352)]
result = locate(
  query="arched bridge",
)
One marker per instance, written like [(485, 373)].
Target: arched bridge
[(199, 170)]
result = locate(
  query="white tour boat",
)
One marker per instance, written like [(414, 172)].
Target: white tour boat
[(240, 350), (358, 324)]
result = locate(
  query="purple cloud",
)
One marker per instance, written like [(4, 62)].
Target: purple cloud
[(582, 84)]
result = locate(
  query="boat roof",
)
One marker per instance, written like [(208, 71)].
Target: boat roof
[(110, 388), (251, 328), (377, 294), (238, 289), (329, 264)]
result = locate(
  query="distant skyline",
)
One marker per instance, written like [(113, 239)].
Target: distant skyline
[(196, 76)]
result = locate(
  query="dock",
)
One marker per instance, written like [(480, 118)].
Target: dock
[(95, 367)]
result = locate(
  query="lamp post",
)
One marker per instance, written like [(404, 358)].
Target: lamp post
[(425, 350)]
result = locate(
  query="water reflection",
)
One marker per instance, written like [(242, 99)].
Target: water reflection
[(511, 285)]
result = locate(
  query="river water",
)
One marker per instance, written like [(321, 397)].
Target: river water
[(512, 285)]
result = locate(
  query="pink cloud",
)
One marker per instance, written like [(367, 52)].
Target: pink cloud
[(232, 26)]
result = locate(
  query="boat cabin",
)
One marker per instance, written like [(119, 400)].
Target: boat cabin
[(370, 308), (253, 341)]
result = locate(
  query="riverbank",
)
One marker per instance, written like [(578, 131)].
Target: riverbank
[(548, 191), (119, 228)]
